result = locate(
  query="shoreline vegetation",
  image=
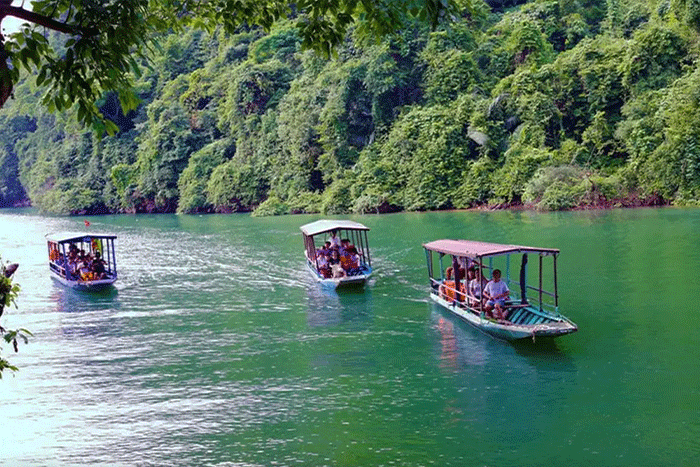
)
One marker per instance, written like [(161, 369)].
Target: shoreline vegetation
[(618, 203), (543, 105)]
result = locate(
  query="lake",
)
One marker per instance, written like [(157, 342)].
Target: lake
[(217, 349)]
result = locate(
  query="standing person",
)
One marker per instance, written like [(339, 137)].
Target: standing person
[(496, 291), (473, 288), (335, 241), (476, 286)]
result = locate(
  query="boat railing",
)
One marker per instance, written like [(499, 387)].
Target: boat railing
[(536, 289), (456, 294), (60, 270), (469, 300)]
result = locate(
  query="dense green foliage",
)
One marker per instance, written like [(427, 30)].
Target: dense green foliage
[(99, 44), (553, 104), (9, 291)]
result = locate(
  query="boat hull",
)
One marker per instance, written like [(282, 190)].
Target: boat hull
[(357, 281), (510, 332), (85, 285)]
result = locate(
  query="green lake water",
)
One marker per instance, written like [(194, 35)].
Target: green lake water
[(217, 349)]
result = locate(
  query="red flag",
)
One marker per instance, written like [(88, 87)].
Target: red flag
[(87, 223)]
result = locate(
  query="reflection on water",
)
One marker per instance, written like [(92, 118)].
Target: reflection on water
[(68, 300), (463, 345), (459, 347)]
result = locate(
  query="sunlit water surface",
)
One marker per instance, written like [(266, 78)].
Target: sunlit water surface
[(216, 349)]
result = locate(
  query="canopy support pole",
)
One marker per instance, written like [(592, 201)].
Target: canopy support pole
[(540, 282), (556, 292)]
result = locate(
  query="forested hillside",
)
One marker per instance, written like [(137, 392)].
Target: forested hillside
[(555, 104)]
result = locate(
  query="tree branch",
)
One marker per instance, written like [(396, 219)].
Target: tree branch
[(21, 13)]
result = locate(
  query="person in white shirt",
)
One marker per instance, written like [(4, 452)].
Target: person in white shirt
[(335, 241), (496, 292), (476, 285)]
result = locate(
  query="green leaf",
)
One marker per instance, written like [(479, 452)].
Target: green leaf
[(41, 77)]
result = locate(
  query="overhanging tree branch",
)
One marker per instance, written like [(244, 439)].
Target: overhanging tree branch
[(21, 13)]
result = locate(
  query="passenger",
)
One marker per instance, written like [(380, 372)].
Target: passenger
[(463, 281), (324, 267), (496, 292), (98, 267), (334, 256), (472, 299), (350, 260), (344, 257), (72, 253), (84, 271), (85, 259), (72, 267), (447, 288), (334, 240), (344, 245), (62, 264), (476, 286), (336, 267)]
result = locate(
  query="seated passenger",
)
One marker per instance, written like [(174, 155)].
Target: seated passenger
[(62, 264), (71, 269), (324, 267), (350, 261), (98, 267), (84, 271), (72, 253), (447, 288), (496, 292), (336, 267), (325, 249)]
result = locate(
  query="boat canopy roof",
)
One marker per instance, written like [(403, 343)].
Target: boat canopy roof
[(76, 237), (322, 226), (473, 249)]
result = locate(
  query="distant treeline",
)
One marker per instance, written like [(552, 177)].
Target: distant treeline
[(552, 104)]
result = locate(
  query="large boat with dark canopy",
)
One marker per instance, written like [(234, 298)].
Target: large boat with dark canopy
[(82, 261)]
